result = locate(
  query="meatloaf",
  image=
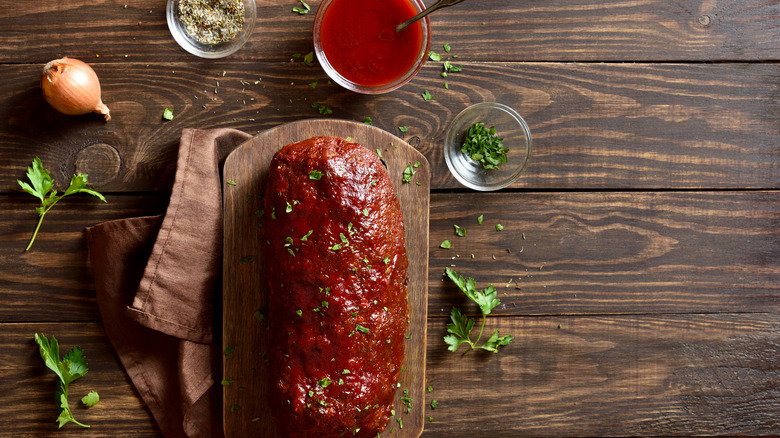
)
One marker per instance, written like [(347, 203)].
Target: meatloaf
[(336, 267)]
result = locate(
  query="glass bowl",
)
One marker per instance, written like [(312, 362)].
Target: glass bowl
[(509, 126), (355, 7), (218, 50)]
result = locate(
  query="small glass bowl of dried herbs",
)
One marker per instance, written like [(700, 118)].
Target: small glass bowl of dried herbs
[(211, 28), (487, 146)]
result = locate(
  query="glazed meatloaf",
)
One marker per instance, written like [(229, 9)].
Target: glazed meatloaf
[(336, 267)]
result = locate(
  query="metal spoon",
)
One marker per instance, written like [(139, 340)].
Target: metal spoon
[(437, 5)]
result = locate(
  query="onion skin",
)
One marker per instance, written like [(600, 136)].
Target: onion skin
[(72, 88)]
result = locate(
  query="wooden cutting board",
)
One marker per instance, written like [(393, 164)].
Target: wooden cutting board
[(245, 172)]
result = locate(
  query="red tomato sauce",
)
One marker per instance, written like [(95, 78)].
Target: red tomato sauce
[(359, 39)]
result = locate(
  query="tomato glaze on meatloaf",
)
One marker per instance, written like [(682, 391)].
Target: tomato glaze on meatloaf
[(336, 267)]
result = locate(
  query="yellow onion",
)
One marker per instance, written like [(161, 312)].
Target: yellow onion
[(72, 88)]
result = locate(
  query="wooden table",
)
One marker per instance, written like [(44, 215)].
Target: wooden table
[(639, 264)]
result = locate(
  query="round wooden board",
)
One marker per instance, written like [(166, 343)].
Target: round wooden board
[(245, 171)]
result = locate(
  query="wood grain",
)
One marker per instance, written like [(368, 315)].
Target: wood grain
[(502, 30), (570, 253), (594, 126), (245, 408), (626, 375)]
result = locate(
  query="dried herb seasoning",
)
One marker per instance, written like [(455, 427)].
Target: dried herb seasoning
[(212, 21)]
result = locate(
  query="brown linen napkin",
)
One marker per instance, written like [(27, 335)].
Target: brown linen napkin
[(157, 288)]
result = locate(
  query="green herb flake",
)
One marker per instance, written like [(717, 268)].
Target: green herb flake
[(91, 399), (167, 114), (460, 231), (304, 10), (322, 109), (367, 120), (446, 47), (447, 244), (230, 182), (499, 227), (426, 95), (315, 175), (479, 219), (403, 128), (434, 56), (409, 173), (362, 329), (308, 59)]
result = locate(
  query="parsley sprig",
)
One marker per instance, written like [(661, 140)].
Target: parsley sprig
[(484, 146), (72, 366), (461, 327), (43, 189)]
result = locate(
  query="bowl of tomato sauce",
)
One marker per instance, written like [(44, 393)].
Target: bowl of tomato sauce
[(358, 47)]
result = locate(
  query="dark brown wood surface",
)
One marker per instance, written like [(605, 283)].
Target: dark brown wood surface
[(638, 266), (245, 406)]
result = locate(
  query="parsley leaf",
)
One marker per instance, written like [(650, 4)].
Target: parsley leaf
[(72, 366), (460, 328), (167, 114), (91, 399), (426, 95), (43, 189)]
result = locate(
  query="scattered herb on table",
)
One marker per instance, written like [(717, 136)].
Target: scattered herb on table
[(484, 146), (43, 189), (447, 244), (499, 227), (446, 47), (304, 10), (368, 121), (460, 231), (434, 56), (168, 114), (460, 328), (322, 109), (91, 399), (480, 218), (403, 128), (426, 95), (308, 59), (72, 366)]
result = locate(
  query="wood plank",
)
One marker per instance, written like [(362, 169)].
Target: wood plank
[(611, 252), (593, 376), (27, 386), (600, 126), (653, 375), (247, 167), (599, 253), (53, 281), (557, 30)]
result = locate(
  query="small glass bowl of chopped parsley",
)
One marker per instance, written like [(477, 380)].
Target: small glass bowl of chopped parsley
[(487, 146), (211, 28)]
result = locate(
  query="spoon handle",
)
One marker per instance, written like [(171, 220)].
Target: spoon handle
[(435, 6)]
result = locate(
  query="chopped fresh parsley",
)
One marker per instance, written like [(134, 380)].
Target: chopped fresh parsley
[(426, 95), (168, 114), (447, 244), (403, 128), (315, 175), (484, 146), (434, 56)]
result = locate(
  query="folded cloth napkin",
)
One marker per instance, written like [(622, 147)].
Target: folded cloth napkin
[(157, 282)]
